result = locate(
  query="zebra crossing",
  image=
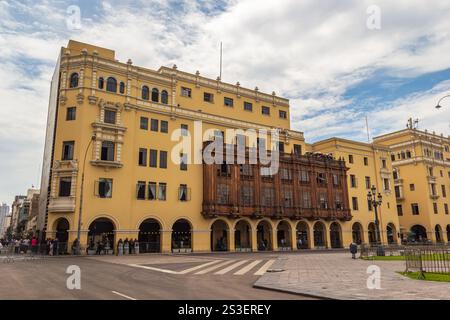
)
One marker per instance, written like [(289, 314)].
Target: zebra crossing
[(219, 267)]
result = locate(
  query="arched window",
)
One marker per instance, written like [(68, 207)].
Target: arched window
[(111, 84), (164, 97), (122, 88), (74, 80), (155, 95), (101, 83), (145, 93)]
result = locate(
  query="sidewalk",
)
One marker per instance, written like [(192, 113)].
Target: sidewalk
[(337, 276)]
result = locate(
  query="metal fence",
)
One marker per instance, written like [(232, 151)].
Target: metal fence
[(372, 250), (431, 259)]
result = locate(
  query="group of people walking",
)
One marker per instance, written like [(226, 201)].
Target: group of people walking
[(31, 245)]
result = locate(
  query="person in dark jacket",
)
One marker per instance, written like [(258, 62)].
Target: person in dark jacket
[(353, 250)]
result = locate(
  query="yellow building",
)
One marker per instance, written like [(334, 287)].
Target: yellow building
[(369, 165), (421, 162)]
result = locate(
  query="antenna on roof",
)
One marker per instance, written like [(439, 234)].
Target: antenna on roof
[(367, 129), (220, 73), (412, 124)]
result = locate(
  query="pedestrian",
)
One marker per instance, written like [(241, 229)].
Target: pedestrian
[(131, 246), (56, 247), (299, 243), (50, 247), (353, 249), (34, 245)]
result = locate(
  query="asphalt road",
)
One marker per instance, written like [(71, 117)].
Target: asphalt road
[(151, 277)]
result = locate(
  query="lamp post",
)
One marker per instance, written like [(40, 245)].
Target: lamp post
[(81, 194), (376, 200), (438, 106)]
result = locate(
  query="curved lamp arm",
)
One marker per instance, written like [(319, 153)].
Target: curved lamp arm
[(438, 106)]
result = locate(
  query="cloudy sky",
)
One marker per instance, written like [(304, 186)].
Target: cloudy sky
[(337, 61)]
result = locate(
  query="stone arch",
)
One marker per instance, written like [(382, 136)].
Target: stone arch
[(320, 230), (335, 235), (284, 235), (418, 233), (101, 236), (357, 233), (182, 235), (220, 235), (391, 233), (438, 234), (264, 235), (303, 235), (243, 235), (149, 236), (372, 233)]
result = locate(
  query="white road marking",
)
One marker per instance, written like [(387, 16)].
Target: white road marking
[(233, 266), (264, 268), (123, 295), (247, 268), (154, 269), (217, 266), (198, 267)]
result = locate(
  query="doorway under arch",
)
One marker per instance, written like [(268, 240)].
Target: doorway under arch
[(418, 233), (264, 236), (302, 235), (182, 235), (284, 235), (357, 233), (219, 236), (101, 236), (149, 236), (335, 235), (448, 233), (391, 233), (438, 234), (62, 234), (372, 233), (242, 236), (319, 235)]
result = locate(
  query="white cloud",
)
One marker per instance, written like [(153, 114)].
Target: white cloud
[(309, 51)]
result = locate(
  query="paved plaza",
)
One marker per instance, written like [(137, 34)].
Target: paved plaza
[(337, 276)]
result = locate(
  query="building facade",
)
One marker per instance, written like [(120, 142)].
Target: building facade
[(22, 208), (116, 123), (421, 169), (4, 212), (369, 165)]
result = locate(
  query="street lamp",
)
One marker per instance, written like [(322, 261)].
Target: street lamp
[(81, 195), (438, 106), (376, 200)]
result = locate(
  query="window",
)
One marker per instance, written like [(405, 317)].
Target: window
[(392, 157), (101, 83), (186, 92), (144, 123), (246, 195), (282, 114), (163, 159), (105, 188), (164, 126), (265, 110), (155, 95), (71, 113), (304, 176), (111, 84), (268, 196), (430, 171), (446, 208), (398, 193), (383, 163), (261, 143), (412, 187), (395, 174), (399, 210), (184, 130), (68, 147), (368, 184), (140, 190), (444, 191), (240, 140), (107, 151), (145, 93), (162, 191), (306, 199), (246, 170), (143, 157), (433, 189), (441, 173), (154, 124), (352, 181), (183, 163), (335, 179), (183, 193), (228, 102), (386, 184), (152, 191), (153, 158), (355, 203), (350, 158), (321, 178), (408, 154), (366, 161), (280, 146), (164, 97), (65, 185), (297, 149), (338, 201), (415, 209), (223, 194), (74, 80), (248, 106), (322, 197), (208, 97), (122, 87), (435, 208), (288, 198), (286, 174), (110, 117)]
